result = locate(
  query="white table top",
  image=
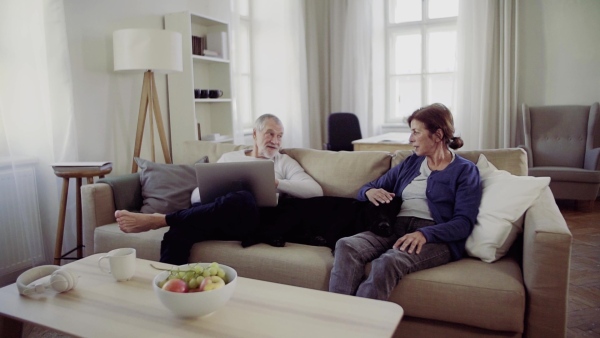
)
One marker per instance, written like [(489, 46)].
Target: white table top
[(400, 138), (100, 306)]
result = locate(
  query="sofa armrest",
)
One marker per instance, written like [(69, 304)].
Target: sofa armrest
[(546, 264), (592, 159), (97, 208), (529, 155)]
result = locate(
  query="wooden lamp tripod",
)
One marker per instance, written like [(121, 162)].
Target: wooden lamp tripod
[(148, 50), (149, 102)]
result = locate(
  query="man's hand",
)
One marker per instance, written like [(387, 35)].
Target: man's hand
[(377, 196), (276, 183), (412, 241)]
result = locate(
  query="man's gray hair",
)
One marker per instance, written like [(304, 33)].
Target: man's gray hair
[(259, 125)]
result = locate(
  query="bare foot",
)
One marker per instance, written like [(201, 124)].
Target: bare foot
[(131, 222)]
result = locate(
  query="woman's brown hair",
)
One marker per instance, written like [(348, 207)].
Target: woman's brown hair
[(437, 116)]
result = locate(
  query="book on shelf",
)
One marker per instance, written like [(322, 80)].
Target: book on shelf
[(207, 52), (198, 45), (195, 45), (70, 166)]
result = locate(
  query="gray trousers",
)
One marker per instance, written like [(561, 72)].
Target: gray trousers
[(388, 265)]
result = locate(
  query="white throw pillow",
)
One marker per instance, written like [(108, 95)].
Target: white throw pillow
[(505, 199)]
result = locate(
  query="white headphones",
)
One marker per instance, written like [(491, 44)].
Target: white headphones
[(61, 279)]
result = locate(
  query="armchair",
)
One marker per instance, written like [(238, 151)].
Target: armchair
[(563, 143)]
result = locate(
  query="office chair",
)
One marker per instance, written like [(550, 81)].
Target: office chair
[(563, 143), (342, 129)]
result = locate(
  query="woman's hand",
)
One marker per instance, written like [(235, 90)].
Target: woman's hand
[(377, 196), (412, 241)]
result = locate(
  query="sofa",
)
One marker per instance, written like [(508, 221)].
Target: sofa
[(521, 293)]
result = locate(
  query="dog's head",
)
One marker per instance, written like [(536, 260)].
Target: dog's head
[(380, 219)]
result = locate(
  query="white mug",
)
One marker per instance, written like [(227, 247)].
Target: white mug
[(121, 263)]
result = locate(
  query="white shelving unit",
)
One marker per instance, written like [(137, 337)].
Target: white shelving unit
[(191, 118)]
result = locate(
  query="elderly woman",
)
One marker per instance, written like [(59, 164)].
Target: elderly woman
[(440, 193)]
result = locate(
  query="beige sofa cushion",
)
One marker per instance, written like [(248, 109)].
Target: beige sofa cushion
[(513, 160), (147, 244), (468, 291), (294, 264), (341, 173)]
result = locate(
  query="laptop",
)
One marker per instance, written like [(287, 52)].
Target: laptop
[(218, 179)]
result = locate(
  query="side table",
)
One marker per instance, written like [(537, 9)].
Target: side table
[(78, 174), (384, 142)]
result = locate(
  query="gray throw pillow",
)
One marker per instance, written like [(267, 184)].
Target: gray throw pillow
[(166, 187)]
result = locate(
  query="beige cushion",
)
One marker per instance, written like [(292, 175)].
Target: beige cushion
[(294, 264), (469, 291), (341, 173), (513, 160), (146, 244)]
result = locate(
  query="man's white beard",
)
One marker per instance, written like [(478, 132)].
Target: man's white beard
[(268, 153)]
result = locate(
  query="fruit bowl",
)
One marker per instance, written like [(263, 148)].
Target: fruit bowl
[(195, 304)]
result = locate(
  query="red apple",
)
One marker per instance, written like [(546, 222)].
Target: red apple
[(176, 285), (205, 282)]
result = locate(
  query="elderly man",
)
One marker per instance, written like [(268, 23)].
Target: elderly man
[(230, 217)]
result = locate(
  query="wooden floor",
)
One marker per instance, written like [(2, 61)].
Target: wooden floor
[(584, 287)]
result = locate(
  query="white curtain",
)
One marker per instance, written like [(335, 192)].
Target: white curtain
[(36, 117), (486, 109), (350, 59), (279, 69), (314, 57), (317, 51)]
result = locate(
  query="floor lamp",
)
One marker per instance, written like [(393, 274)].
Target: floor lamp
[(149, 50)]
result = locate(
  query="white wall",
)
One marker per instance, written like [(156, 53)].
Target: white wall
[(106, 102), (559, 52)]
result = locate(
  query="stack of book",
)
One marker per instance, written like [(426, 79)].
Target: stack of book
[(198, 45), (75, 166), (214, 44)]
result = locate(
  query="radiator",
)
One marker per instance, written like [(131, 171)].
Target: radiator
[(21, 244)]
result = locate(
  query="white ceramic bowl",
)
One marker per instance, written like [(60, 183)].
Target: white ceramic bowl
[(196, 304)]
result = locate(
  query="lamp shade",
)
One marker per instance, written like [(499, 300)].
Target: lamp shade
[(147, 49)]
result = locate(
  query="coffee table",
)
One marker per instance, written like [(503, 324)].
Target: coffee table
[(99, 306)]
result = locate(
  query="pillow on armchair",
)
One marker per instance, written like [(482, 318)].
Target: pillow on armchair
[(505, 199), (166, 187)]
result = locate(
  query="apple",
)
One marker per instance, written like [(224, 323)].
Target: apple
[(216, 283), (176, 285), (205, 282)]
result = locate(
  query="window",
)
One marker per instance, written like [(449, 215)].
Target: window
[(421, 55), (244, 92)]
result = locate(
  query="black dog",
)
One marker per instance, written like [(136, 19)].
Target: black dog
[(321, 221), (380, 219)]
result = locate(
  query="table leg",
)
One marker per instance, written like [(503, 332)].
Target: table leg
[(61, 222), (79, 219)]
